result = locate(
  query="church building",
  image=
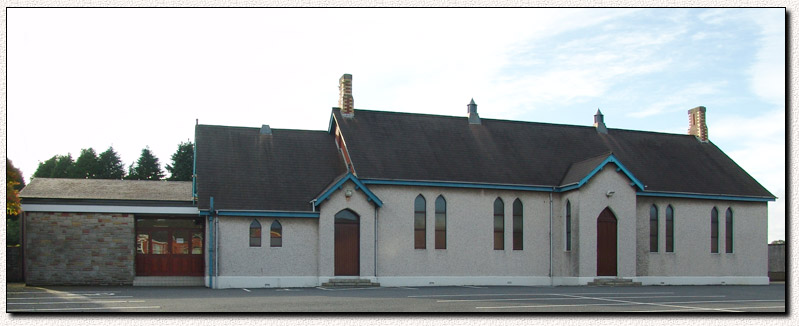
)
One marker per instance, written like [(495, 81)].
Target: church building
[(406, 199)]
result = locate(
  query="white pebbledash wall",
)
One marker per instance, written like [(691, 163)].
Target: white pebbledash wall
[(307, 255)]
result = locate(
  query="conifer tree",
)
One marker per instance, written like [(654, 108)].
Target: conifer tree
[(146, 168)]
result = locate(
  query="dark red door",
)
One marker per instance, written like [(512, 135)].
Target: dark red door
[(606, 244), (347, 243), (169, 247)]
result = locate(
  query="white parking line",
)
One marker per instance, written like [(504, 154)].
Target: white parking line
[(66, 298), (88, 308), (65, 293), (647, 303), (472, 287), (246, 290), (515, 294), (78, 302), (624, 304), (405, 288), (535, 299), (735, 308)]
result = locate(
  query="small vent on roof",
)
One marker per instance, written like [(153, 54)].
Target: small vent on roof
[(599, 122), (474, 118), (265, 130)]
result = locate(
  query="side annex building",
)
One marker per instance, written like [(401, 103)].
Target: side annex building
[(404, 199)]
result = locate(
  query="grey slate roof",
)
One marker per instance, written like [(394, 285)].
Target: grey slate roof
[(403, 146), (100, 189), (245, 170)]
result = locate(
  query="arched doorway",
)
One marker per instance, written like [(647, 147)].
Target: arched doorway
[(606, 244), (347, 243)]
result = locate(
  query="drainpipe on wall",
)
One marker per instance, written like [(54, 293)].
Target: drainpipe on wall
[(551, 282), (216, 250), (211, 247), (375, 246)]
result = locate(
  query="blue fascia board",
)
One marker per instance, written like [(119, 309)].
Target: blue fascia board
[(619, 167), (702, 196), (267, 214), (358, 186), (455, 185)]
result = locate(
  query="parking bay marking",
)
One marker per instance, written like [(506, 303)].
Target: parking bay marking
[(535, 299), (529, 294), (66, 298), (76, 302), (87, 308), (631, 303)]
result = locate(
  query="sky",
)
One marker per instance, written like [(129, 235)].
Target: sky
[(130, 78)]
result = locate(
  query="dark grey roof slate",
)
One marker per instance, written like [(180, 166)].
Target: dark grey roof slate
[(243, 169), (579, 170), (103, 189), (403, 146)]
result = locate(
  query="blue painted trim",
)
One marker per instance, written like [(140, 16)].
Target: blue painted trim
[(456, 185), (611, 159), (268, 214), (700, 196), (370, 196)]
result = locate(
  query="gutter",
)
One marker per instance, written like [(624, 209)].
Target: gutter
[(551, 282)]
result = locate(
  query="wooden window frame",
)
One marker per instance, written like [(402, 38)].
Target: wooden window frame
[(276, 241), (728, 231), (714, 230), (499, 224), (669, 228), (654, 231), (441, 223), (420, 229), (518, 225), (255, 233)]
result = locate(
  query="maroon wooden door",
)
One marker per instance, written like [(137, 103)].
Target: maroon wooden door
[(347, 243), (169, 247), (606, 244)]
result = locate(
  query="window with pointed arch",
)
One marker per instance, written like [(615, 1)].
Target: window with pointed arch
[(255, 233), (441, 223), (669, 229), (728, 230), (499, 224), (714, 230), (419, 223), (568, 225), (276, 234), (518, 225), (653, 228)]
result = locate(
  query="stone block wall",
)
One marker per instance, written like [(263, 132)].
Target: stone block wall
[(79, 248)]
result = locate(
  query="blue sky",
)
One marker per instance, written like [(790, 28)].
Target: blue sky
[(131, 78)]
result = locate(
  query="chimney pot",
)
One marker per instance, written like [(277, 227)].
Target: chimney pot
[(345, 100), (697, 125), (265, 130)]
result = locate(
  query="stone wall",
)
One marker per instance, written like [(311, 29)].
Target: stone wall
[(79, 248), (776, 262)]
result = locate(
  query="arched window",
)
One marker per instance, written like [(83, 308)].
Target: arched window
[(653, 228), (255, 234), (714, 230), (728, 230), (419, 223), (518, 225), (669, 229), (441, 223), (568, 225), (499, 224), (276, 234)]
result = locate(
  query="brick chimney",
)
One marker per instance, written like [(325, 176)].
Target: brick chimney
[(345, 101), (599, 122), (474, 119), (696, 123)]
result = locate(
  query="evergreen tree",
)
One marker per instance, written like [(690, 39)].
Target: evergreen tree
[(182, 162), (110, 165), (146, 168), (46, 168), (87, 165)]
